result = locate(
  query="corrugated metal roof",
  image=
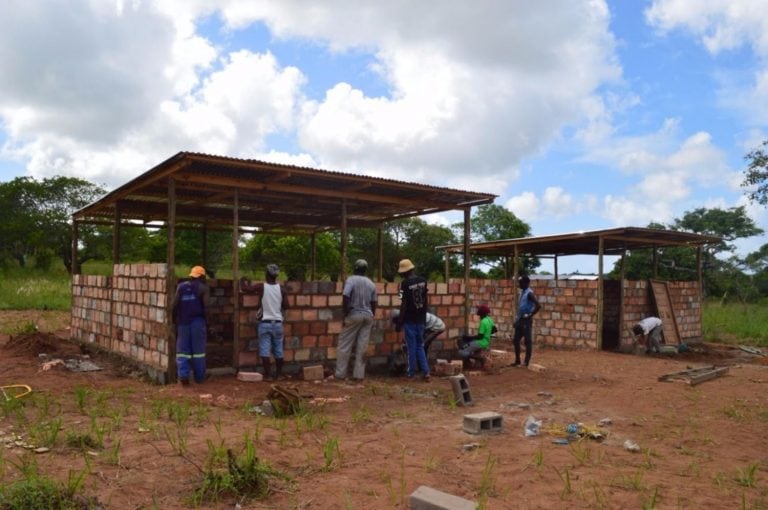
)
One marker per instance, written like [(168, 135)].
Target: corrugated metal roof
[(272, 197), (615, 242)]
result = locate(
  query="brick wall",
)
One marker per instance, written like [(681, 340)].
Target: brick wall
[(686, 303), (124, 313), (313, 320)]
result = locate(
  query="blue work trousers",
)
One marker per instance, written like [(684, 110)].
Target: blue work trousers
[(414, 341), (190, 349)]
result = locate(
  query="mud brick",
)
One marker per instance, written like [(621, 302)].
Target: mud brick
[(249, 376), (537, 368), (313, 373), (247, 358)]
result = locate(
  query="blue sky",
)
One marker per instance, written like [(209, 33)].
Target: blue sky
[(579, 114)]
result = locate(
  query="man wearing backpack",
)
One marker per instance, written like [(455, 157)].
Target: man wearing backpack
[(190, 315)]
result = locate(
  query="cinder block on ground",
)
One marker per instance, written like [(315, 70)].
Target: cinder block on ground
[(313, 373), (427, 498), (482, 423), (248, 359), (461, 391), (249, 376)]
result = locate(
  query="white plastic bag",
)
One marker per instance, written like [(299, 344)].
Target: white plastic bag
[(532, 426)]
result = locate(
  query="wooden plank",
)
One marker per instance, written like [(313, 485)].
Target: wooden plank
[(665, 312), (707, 376), (694, 376)]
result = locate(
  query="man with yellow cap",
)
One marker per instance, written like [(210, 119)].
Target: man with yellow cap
[(190, 315), (413, 317)]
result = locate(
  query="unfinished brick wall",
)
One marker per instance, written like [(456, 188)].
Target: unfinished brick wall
[(124, 313), (314, 320), (686, 303)]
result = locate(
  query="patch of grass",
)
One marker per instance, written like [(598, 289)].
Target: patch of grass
[(331, 453), (361, 415), (735, 323), (35, 290), (36, 491), (244, 477), (747, 477), (652, 501), (565, 476), (487, 482)]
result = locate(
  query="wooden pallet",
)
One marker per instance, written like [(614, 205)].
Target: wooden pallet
[(694, 376)]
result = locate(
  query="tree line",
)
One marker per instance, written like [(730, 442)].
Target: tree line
[(37, 233)]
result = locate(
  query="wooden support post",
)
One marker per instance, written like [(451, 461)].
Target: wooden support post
[(116, 235), (467, 263), (313, 257), (236, 278), (204, 247), (600, 292), (380, 254), (557, 277), (75, 264), (344, 240), (170, 279)]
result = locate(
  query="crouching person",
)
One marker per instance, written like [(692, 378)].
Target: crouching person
[(469, 345)]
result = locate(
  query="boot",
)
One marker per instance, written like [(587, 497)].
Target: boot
[(266, 363), (278, 368)]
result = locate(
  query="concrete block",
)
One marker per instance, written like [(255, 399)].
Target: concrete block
[(250, 376), (461, 391), (313, 373), (482, 423), (458, 366), (427, 498)]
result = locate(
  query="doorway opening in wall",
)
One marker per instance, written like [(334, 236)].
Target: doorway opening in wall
[(611, 315)]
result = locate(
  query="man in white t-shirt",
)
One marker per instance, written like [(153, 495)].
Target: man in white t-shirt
[(648, 332), (271, 335)]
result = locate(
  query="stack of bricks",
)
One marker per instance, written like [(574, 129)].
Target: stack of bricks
[(126, 313)]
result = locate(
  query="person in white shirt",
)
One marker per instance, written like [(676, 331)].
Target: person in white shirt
[(648, 331), (271, 336)]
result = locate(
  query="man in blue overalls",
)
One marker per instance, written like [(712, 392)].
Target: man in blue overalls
[(190, 314)]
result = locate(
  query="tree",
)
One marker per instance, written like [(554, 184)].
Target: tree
[(756, 174), (292, 254), (721, 273), (38, 214), (492, 222)]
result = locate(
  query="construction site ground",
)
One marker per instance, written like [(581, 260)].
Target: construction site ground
[(638, 442)]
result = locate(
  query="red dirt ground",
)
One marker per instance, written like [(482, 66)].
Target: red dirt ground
[(701, 446)]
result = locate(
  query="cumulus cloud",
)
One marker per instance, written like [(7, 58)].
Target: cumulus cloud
[(469, 89), (722, 26)]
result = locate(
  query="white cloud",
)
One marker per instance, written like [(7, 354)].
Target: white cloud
[(525, 205), (625, 212), (722, 26), (472, 91)]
